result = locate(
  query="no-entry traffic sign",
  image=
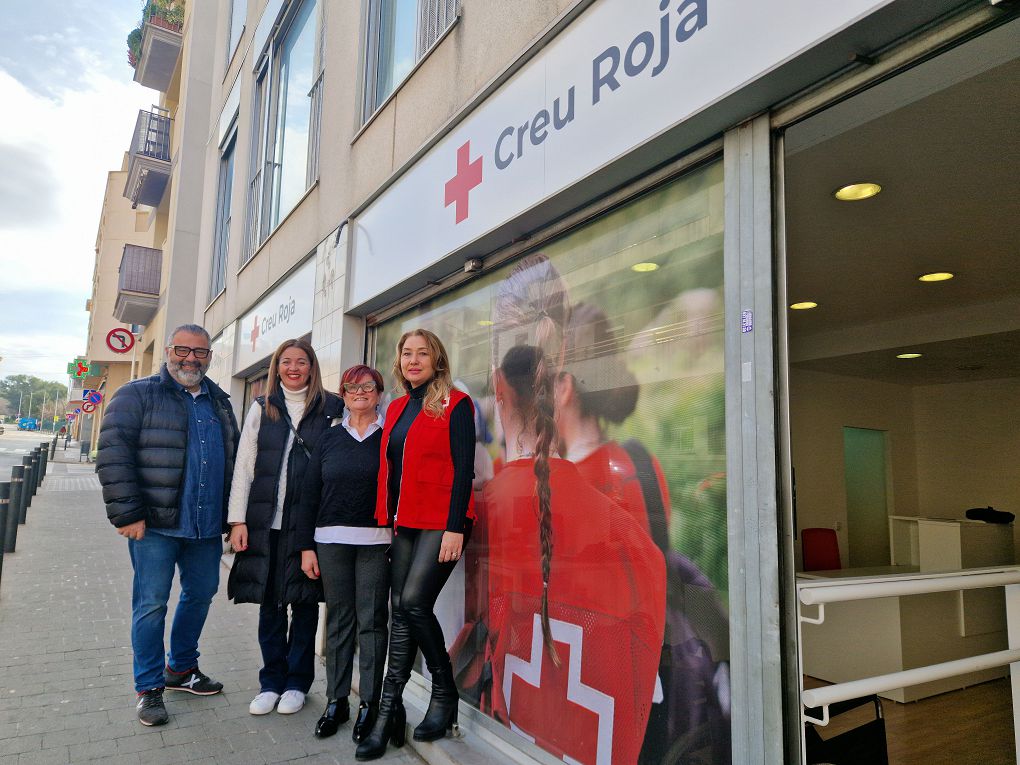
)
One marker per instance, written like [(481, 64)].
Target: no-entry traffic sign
[(120, 340)]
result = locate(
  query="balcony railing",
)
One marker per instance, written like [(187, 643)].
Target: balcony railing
[(149, 158), (138, 284)]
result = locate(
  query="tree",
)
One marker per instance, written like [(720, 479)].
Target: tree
[(32, 392)]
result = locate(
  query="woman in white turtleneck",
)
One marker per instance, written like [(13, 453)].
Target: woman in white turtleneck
[(279, 433)]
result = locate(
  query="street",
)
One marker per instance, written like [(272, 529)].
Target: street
[(15, 444)]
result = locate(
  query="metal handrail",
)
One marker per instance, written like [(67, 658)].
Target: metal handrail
[(830, 694), (820, 592), (812, 593)]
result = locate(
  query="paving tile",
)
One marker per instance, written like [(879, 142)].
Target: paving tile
[(55, 756), (66, 688)]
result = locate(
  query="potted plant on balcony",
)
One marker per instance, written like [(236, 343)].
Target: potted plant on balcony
[(168, 14), (134, 43)]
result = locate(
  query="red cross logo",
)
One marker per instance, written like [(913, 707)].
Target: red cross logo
[(569, 718), (254, 333), (469, 175)]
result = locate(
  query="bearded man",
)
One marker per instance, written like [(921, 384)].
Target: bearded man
[(166, 457)]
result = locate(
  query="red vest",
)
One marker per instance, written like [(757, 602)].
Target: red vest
[(426, 480)]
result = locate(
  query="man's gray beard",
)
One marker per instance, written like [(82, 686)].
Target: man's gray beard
[(186, 376)]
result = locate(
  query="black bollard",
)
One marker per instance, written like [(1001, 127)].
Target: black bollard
[(44, 459), (36, 473), (16, 507), (53, 448), (26, 488), (5, 510)]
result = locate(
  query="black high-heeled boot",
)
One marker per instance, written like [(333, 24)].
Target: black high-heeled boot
[(390, 724), (367, 712), (442, 712)]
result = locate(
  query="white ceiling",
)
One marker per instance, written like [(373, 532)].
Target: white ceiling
[(943, 142)]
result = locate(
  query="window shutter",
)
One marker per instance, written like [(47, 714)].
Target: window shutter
[(435, 17)]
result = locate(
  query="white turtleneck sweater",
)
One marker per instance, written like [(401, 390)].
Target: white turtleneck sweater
[(244, 463)]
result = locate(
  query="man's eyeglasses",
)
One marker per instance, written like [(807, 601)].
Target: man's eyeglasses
[(365, 387), (182, 351)]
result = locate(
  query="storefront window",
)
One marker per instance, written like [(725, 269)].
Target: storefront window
[(610, 341)]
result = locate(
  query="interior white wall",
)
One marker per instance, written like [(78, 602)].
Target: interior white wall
[(951, 447), (821, 405), (968, 447)]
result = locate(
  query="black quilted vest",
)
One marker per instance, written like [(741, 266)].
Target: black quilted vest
[(249, 580)]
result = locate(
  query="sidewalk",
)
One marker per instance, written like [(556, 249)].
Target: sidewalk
[(66, 693)]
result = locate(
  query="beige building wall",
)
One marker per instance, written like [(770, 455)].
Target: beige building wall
[(119, 225), (175, 225), (357, 155)]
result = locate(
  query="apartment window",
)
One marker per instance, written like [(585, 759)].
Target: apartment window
[(287, 105), (400, 33), (238, 13), (223, 199)]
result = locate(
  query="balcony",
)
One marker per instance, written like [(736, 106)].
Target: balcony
[(138, 284), (149, 158), (157, 55)]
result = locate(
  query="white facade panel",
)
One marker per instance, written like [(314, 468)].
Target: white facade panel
[(284, 313), (619, 75)]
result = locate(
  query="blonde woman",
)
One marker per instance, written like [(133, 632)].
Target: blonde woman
[(425, 473)]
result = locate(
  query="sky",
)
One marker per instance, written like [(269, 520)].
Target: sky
[(67, 109)]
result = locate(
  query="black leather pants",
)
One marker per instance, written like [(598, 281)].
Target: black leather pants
[(417, 578)]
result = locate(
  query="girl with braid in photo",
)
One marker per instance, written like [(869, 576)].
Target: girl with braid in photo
[(576, 585)]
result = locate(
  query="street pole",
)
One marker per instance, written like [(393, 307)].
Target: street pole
[(134, 349), (42, 413), (30, 394), (20, 397)]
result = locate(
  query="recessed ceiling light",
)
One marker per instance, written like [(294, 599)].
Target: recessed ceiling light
[(644, 268), (804, 305), (855, 192), (484, 323), (936, 276), (908, 355)]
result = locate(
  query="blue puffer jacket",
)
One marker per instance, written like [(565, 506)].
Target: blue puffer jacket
[(143, 445)]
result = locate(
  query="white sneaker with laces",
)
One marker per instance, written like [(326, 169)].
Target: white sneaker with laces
[(263, 703), (291, 702)]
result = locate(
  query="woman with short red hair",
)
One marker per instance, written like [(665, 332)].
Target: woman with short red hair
[(342, 542)]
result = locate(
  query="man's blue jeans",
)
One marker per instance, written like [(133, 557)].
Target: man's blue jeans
[(154, 558)]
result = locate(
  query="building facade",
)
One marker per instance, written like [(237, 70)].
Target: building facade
[(649, 184)]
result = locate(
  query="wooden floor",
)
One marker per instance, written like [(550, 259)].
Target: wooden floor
[(973, 726)]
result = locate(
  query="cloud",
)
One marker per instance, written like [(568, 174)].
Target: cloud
[(36, 37), (42, 330), (69, 109), (26, 179)]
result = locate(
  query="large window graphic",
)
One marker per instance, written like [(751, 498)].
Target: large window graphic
[(590, 615)]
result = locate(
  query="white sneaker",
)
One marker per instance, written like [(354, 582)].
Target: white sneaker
[(291, 702), (263, 703)]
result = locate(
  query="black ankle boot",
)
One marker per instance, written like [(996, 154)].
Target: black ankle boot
[(442, 712), (390, 724), (335, 715), (367, 712)]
